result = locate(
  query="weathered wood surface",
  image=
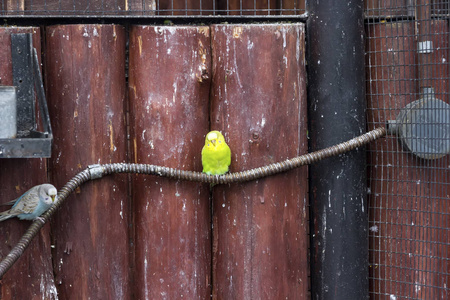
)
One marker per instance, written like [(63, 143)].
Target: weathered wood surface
[(34, 269), (85, 82), (407, 201), (259, 103), (169, 90), (84, 7)]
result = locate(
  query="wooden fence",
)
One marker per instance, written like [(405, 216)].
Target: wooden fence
[(147, 237)]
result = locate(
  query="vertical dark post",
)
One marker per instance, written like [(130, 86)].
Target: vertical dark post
[(339, 246)]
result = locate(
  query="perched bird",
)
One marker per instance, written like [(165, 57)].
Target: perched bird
[(32, 204), (216, 155)]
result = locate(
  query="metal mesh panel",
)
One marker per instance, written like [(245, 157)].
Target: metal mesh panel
[(153, 7), (407, 53)]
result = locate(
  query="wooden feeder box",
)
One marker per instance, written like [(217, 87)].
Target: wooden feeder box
[(23, 140)]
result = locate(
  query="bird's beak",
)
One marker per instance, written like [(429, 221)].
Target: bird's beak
[(53, 198), (213, 141)]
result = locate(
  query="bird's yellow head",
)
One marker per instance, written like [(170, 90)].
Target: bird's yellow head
[(214, 139), (216, 155)]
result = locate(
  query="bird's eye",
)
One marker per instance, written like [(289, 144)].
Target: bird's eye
[(220, 141), (208, 144)]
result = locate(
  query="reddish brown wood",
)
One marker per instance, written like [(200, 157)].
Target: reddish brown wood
[(85, 76), (84, 7), (141, 7), (184, 7), (386, 8), (247, 7), (14, 5), (292, 7), (17, 176), (259, 102), (407, 201), (34, 268), (169, 89)]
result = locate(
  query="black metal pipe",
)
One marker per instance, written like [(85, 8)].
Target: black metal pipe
[(338, 186)]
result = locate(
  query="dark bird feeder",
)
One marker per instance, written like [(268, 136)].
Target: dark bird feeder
[(19, 136), (423, 126)]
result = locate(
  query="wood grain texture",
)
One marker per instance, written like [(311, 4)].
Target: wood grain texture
[(85, 82), (407, 200), (34, 268), (259, 102), (169, 90)]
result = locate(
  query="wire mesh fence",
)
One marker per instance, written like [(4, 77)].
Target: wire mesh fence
[(153, 7), (407, 58)]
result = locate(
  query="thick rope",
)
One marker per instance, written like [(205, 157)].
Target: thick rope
[(98, 171)]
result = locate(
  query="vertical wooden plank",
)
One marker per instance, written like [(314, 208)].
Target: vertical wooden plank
[(169, 89), (85, 76), (34, 268), (407, 215), (260, 245)]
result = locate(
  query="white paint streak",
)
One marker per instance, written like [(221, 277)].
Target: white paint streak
[(145, 276)]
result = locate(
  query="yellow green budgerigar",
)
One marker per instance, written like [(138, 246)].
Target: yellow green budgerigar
[(216, 155)]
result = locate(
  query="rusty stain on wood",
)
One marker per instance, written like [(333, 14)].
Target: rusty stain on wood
[(168, 123), (259, 103), (81, 81), (34, 269)]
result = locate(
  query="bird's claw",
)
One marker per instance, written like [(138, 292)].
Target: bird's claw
[(40, 219)]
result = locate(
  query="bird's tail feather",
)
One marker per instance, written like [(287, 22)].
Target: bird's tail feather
[(9, 203), (4, 216)]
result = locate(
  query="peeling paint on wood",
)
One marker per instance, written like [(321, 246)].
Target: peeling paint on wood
[(85, 82), (34, 269), (169, 90), (259, 102)]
